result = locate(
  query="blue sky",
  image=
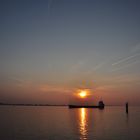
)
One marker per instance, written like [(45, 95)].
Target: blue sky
[(50, 48)]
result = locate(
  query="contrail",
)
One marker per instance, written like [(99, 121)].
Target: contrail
[(125, 66), (49, 6), (136, 48), (125, 59), (98, 66)]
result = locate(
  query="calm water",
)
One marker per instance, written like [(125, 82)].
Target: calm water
[(61, 123)]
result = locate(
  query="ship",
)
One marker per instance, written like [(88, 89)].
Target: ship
[(100, 105)]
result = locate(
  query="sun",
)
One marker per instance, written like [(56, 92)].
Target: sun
[(83, 94)]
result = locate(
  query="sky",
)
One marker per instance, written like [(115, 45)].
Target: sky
[(51, 49)]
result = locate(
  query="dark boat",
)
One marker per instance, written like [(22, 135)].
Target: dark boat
[(100, 106)]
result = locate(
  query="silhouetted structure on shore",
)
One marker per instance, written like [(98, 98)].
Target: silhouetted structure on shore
[(101, 105), (126, 107)]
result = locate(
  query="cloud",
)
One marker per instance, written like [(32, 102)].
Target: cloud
[(136, 48), (49, 6), (125, 66), (20, 82), (51, 88), (105, 87), (77, 66), (98, 66), (126, 59)]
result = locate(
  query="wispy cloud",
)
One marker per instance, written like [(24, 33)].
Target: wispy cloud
[(105, 87), (95, 68), (51, 88), (126, 59), (49, 6), (98, 66), (136, 48), (125, 66), (20, 81), (78, 65)]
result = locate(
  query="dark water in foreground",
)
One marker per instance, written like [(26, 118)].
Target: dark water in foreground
[(61, 123)]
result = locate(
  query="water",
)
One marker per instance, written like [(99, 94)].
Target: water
[(61, 123)]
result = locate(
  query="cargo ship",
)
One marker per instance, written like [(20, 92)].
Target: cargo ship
[(100, 106)]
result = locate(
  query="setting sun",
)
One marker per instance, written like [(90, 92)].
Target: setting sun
[(83, 94)]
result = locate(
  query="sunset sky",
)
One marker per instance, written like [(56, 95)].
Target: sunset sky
[(51, 49)]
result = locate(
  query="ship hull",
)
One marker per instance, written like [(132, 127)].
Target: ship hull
[(82, 106)]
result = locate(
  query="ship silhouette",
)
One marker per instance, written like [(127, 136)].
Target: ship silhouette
[(100, 105)]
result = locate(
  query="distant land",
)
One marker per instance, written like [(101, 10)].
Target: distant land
[(29, 104)]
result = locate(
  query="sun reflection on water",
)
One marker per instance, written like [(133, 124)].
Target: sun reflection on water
[(83, 124)]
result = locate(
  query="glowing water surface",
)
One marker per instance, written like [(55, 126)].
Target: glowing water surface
[(62, 123)]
